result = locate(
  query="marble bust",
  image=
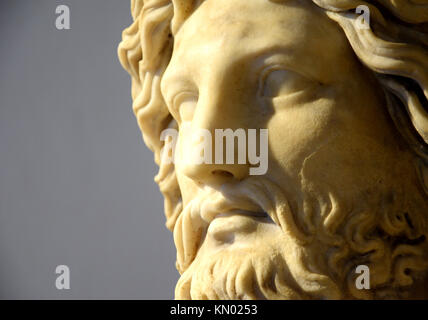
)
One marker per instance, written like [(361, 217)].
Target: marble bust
[(344, 105)]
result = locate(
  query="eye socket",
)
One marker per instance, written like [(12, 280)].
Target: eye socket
[(184, 105), (277, 81)]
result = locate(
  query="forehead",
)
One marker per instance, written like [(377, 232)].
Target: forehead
[(238, 19), (224, 31)]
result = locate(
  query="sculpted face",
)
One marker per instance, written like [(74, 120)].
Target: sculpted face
[(340, 183), (313, 97)]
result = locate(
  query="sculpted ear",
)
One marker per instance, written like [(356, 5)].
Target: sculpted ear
[(423, 174), (418, 116), (406, 108), (417, 113)]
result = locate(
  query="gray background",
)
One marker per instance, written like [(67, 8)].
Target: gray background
[(76, 180)]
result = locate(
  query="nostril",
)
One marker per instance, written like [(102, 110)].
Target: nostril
[(222, 173)]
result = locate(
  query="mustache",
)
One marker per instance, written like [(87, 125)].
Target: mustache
[(253, 195)]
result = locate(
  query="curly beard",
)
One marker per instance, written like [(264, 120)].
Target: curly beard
[(279, 269), (322, 242), (248, 274)]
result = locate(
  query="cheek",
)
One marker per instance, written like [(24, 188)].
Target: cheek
[(295, 133)]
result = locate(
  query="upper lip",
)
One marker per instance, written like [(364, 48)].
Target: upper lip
[(222, 209)]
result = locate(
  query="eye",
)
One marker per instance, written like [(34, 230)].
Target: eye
[(184, 105), (276, 81)]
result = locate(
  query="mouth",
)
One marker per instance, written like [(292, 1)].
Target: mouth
[(235, 219), (228, 227), (246, 213)]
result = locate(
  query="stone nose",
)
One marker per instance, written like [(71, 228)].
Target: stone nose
[(215, 139), (214, 156)]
